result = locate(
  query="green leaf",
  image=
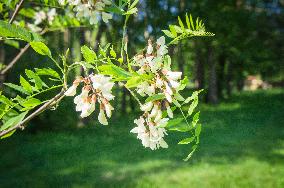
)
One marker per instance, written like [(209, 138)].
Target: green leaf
[(177, 124), (176, 103), (5, 100), (17, 88), (112, 53), (180, 23), (168, 33), (173, 30), (115, 72), (9, 30), (155, 97), (187, 21), (187, 140), (13, 43), (34, 77), (30, 103), (191, 22), (40, 48), (88, 54), (192, 106), (191, 153), (8, 135), (134, 4), (131, 11), (193, 96), (195, 119), (198, 130), (26, 85), (47, 72), (13, 121), (134, 81)]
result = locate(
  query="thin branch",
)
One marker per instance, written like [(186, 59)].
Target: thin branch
[(13, 62), (18, 6), (18, 56), (44, 107)]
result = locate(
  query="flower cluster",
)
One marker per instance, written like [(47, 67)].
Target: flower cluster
[(164, 82), (42, 16), (149, 133), (90, 10), (97, 88)]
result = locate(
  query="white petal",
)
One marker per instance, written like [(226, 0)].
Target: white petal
[(154, 111), (106, 17), (108, 109), (174, 75), (150, 49), (147, 107), (71, 91), (158, 116), (102, 117), (161, 41), (163, 144), (169, 97)]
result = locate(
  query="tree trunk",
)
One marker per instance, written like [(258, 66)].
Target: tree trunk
[(199, 68), (221, 74), (101, 29), (212, 90), (229, 79)]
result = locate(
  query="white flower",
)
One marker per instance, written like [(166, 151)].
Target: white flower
[(168, 97), (108, 109), (80, 99), (106, 17), (87, 109), (72, 90), (62, 2), (161, 41), (162, 48), (102, 117), (154, 111), (158, 116), (149, 49), (145, 88), (103, 84), (152, 136), (33, 27), (159, 82), (39, 17), (50, 15), (147, 107), (173, 75)]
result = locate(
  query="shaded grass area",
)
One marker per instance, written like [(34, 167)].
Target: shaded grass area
[(242, 145)]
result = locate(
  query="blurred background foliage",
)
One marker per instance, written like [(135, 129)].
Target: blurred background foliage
[(248, 46), (249, 41)]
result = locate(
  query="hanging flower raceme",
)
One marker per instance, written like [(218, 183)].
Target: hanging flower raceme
[(89, 10), (149, 132), (97, 88), (164, 82)]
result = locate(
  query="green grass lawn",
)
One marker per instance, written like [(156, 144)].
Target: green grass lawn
[(242, 145)]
